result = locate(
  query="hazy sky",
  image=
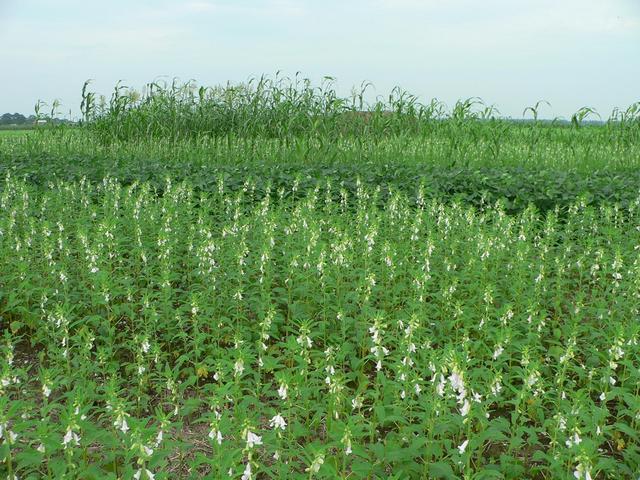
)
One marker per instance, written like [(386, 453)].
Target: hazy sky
[(508, 52)]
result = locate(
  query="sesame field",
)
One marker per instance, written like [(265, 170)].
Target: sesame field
[(271, 281)]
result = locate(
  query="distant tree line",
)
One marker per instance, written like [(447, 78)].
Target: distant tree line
[(19, 119), (16, 119)]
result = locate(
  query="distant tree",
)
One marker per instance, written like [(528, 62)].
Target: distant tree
[(22, 120), (13, 119)]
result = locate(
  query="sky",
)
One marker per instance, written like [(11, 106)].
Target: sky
[(511, 53)]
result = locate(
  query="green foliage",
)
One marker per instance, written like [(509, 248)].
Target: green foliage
[(268, 280), (292, 108), (320, 335), (560, 166)]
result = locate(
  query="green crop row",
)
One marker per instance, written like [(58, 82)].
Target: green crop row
[(202, 335), (480, 185)]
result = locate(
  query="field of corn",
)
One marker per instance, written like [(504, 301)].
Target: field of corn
[(268, 281)]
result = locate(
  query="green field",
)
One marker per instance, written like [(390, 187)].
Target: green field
[(11, 132), (271, 281)]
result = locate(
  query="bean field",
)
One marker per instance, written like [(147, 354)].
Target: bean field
[(271, 281)]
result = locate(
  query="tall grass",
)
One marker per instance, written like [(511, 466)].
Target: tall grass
[(287, 108)]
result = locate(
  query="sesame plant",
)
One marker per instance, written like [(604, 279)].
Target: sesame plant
[(271, 280), (317, 333)]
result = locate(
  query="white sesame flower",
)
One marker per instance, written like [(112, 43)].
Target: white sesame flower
[(462, 447), (238, 367), (278, 422), (247, 472), (582, 473), (145, 346), (498, 351), (46, 391), (466, 407), (215, 434), (121, 423), (562, 423), (456, 381), (375, 334), (282, 391), (304, 340), (495, 388), (69, 437), (356, 403), (253, 439), (575, 440), (533, 378), (316, 464), (440, 386), (276, 456), (40, 448), (149, 474)]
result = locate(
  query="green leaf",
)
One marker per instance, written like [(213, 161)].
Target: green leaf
[(16, 326), (441, 470)]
